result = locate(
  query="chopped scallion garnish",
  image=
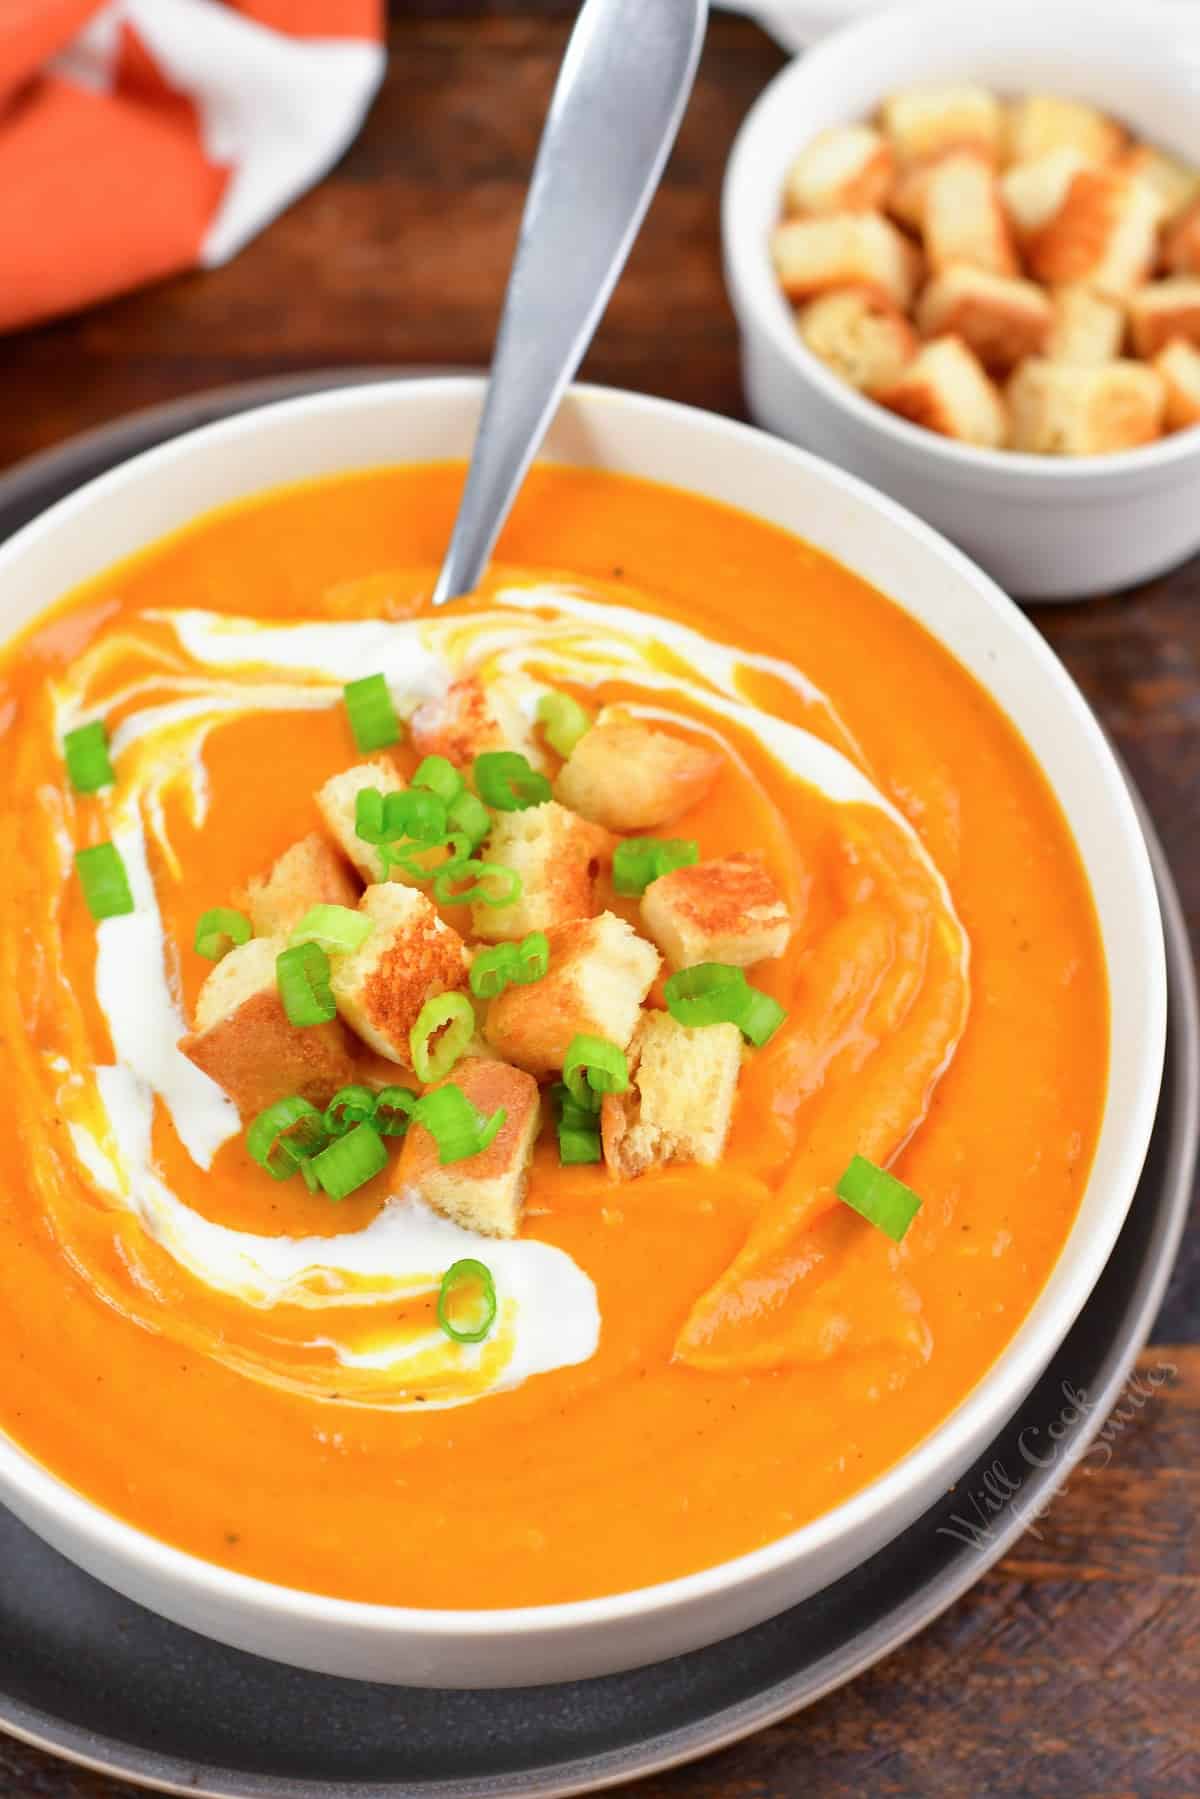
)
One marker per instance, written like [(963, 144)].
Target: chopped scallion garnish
[(718, 993), (564, 721), (105, 883), (467, 813), (578, 1127), (302, 975), (351, 1161), (504, 779), (455, 1126), (466, 1306), (639, 860), (576, 1147), (878, 1197), (373, 718), (491, 884), (285, 1136), (348, 1107), (336, 929), (88, 763), (441, 777), (219, 930), (394, 1110), (510, 963), (592, 1067), (443, 1029)]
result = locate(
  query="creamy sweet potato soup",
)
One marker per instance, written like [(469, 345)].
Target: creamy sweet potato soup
[(528, 1101)]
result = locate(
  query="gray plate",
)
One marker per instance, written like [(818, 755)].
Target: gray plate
[(88, 1675)]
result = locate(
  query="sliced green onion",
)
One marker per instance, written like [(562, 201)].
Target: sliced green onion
[(373, 717), (568, 1112), (504, 779), (484, 877), (282, 1138), (104, 881), (86, 752), (424, 815), (576, 1146), (458, 1277), (302, 976), (394, 1110), (219, 930), (455, 1126), (878, 1197), (639, 860), (578, 1127), (348, 1107), (469, 814), (413, 857), (593, 1066), (444, 1027), (493, 969), (718, 993), (386, 817), (370, 815), (564, 721), (533, 955), (337, 929), (350, 1161), (441, 777)]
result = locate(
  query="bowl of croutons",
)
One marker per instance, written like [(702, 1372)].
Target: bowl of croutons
[(963, 247)]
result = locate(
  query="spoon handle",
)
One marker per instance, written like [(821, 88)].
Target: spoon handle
[(613, 117)]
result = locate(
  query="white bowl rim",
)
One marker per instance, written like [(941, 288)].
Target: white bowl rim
[(746, 261), (1010, 1374)]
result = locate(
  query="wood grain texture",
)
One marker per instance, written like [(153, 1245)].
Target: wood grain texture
[(1073, 1668)]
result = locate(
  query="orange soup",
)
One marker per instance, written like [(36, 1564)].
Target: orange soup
[(719, 808)]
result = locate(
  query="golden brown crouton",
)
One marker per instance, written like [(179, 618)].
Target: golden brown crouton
[(844, 249), (1181, 245), (557, 855), (946, 389), (629, 776), (600, 972), (1175, 185), (861, 336), (845, 169), (484, 1193), (680, 1101), (1087, 328), (923, 122), (906, 200), (726, 910), (1044, 122), (1033, 192), (1061, 410), (243, 1040), (471, 718), (336, 803), (1179, 366), (410, 957), (963, 220), (1162, 311), (1001, 318), (310, 873), (1105, 233)]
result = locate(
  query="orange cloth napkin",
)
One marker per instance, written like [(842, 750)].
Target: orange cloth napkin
[(140, 137)]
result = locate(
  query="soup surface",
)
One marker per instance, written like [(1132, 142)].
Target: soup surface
[(685, 1365)]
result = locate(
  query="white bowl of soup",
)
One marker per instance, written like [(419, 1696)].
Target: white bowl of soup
[(709, 1378), (1051, 527)]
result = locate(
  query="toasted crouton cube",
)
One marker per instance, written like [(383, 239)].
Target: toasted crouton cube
[(1034, 192), (1044, 122), (679, 1104), (1179, 366), (1176, 185), (859, 335), (946, 389), (600, 972), (726, 910), (923, 122), (1181, 245), (1163, 310), (963, 220), (1105, 233), (844, 249), (471, 718), (1087, 328), (845, 169), (310, 873), (336, 803), (1001, 318), (1061, 410), (484, 1193), (906, 200), (628, 776), (243, 1040), (410, 957), (558, 856)]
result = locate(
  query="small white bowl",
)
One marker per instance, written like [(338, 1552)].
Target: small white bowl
[(1046, 528), (429, 421)]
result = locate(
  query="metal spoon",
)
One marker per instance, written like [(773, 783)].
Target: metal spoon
[(616, 108)]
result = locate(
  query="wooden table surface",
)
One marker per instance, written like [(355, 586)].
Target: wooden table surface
[(1073, 1668)]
